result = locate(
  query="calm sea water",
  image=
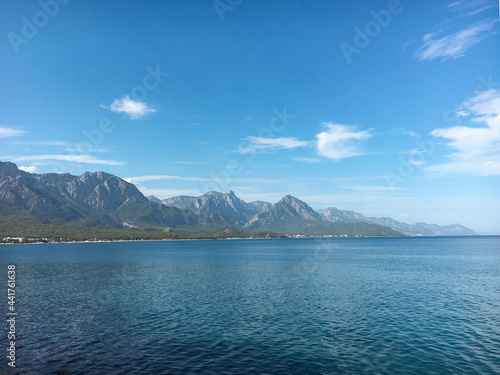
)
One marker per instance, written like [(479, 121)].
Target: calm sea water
[(304, 306)]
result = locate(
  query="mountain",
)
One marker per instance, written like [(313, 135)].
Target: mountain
[(100, 199), (92, 199), (159, 215), (62, 195), (227, 204), (185, 201), (153, 199), (340, 216), (293, 216), (260, 205), (288, 209), (181, 201)]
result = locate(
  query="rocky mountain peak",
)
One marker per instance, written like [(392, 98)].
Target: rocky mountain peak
[(9, 168), (287, 209), (99, 176), (153, 199)]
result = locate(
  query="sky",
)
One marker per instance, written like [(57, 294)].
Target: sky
[(388, 108)]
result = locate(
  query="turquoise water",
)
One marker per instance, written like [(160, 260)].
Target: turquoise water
[(293, 306)]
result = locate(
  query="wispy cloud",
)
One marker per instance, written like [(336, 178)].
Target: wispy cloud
[(341, 141), (68, 146), (477, 11), (198, 179), (10, 132), (375, 188), (471, 7), (403, 131), (189, 162), (85, 159), (259, 144), (454, 45), (307, 160), (476, 148), (134, 109), (413, 151)]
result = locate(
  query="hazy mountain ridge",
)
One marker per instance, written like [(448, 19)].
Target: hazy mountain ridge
[(92, 199), (227, 204), (287, 209), (341, 216), (102, 199), (64, 195), (181, 201), (186, 201)]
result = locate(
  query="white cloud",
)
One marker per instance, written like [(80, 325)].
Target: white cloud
[(417, 163), (199, 179), (375, 188), (413, 151), (476, 148), (30, 169), (341, 141), (68, 146), (259, 144), (85, 159), (134, 109), (471, 7), (307, 160), (477, 11), (10, 132), (403, 131), (189, 162), (455, 45)]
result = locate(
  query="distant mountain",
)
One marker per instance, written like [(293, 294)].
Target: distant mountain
[(286, 210), (340, 216), (213, 199), (92, 199), (293, 216), (260, 205), (158, 215), (101, 199), (227, 204), (62, 195), (153, 199), (181, 201)]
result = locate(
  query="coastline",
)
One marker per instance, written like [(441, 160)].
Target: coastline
[(238, 238)]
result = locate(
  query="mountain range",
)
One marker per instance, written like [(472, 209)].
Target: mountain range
[(340, 216), (103, 200), (290, 212)]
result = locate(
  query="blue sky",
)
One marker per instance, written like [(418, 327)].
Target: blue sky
[(389, 108)]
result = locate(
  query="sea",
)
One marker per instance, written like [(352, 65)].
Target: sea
[(409, 305)]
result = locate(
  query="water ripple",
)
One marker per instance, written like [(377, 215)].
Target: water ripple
[(367, 306)]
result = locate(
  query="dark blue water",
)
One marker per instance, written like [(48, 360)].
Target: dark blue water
[(305, 306)]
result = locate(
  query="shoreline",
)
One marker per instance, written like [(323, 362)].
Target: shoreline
[(240, 238)]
